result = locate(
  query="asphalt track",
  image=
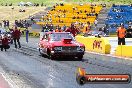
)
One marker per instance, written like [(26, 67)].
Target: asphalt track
[(3, 83), (27, 69)]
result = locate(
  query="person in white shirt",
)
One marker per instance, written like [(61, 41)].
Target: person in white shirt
[(95, 23)]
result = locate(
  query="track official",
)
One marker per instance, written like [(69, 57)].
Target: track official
[(121, 32), (16, 37)]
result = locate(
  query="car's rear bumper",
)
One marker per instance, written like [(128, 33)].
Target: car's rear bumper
[(63, 54)]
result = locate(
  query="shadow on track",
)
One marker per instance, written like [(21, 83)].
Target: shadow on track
[(68, 59), (63, 58)]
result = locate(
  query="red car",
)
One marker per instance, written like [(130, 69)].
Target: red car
[(60, 44)]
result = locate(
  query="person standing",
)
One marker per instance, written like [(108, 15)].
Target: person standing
[(129, 32), (121, 32), (11, 31), (64, 27), (7, 23), (72, 30), (4, 22), (16, 37), (43, 28), (86, 28), (0, 24), (0, 41), (27, 33), (57, 29), (95, 23)]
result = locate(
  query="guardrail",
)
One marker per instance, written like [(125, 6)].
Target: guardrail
[(124, 50), (95, 44)]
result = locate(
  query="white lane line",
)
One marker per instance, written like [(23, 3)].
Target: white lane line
[(9, 81), (110, 55)]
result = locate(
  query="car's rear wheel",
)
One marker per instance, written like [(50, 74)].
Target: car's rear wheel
[(80, 57), (43, 55)]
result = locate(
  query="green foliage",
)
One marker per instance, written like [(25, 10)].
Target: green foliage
[(51, 2), (15, 2)]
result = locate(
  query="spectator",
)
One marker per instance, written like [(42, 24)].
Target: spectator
[(57, 29), (61, 4), (129, 32), (95, 23), (85, 11), (64, 28), (104, 5), (32, 18), (105, 30), (96, 15), (86, 28), (16, 37), (113, 5), (7, 23), (121, 32), (0, 24), (131, 5), (51, 27), (16, 23), (100, 29), (54, 6), (27, 34), (4, 23), (72, 30), (43, 17), (57, 4), (5, 43), (92, 10), (60, 29), (10, 4), (0, 40), (43, 28)]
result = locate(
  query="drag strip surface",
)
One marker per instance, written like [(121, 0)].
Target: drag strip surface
[(3, 82), (34, 71)]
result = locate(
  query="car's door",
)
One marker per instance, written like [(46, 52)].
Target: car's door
[(45, 43)]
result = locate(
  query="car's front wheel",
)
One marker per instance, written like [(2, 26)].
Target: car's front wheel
[(50, 56), (40, 52)]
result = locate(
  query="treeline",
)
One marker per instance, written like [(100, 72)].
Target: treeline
[(23, 4)]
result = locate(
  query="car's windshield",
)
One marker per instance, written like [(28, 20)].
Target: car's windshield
[(60, 36)]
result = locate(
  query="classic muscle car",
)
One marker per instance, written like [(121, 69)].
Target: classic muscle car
[(60, 44)]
